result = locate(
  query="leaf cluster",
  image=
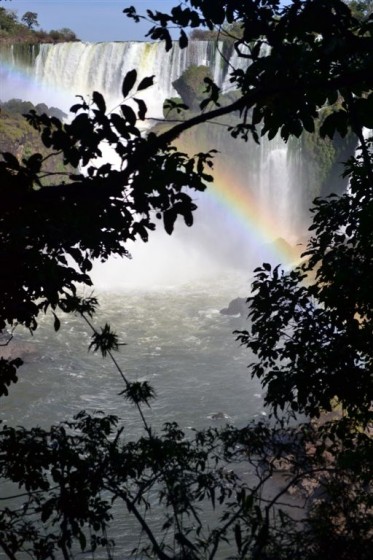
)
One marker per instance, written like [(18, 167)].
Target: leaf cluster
[(70, 476), (299, 57), (89, 215), (312, 327)]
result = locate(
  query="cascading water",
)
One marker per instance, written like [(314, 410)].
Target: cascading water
[(253, 200), (49, 73)]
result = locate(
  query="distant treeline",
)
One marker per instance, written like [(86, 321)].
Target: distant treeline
[(20, 107), (12, 30)]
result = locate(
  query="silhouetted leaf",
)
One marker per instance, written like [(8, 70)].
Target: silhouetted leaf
[(188, 217), (11, 160), (75, 108), (82, 540), (34, 162), (128, 114), (238, 536), (335, 122), (204, 103), (57, 322), (120, 124), (142, 108), (99, 100), (128, 82), (169, 218), (146, 83), (183, 39)]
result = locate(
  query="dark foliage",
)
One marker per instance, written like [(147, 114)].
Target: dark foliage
[(310, 332)]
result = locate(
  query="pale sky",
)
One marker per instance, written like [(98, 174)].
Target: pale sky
[(92, 20)]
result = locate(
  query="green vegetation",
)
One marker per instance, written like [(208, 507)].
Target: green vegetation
[(361, 9), (322, 159), (14, 31), (18, 137), (30, 19), (310, 331)]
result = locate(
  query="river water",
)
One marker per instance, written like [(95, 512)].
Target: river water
[(174, 337)]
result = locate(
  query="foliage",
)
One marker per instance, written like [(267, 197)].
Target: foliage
[(361, 8), (310, 332), (30, 19), (62, 35), (88, 226), (312, 326), (320, 160), (75, 472), (14, 31), (8, 20)]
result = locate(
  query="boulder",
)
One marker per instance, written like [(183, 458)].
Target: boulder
[(237, 306)]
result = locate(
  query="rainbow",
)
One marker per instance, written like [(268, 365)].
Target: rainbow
[(14, 79), (256, 223), (18, 82)]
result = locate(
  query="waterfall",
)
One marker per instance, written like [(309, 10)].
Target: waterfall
[(81, 68), (254, 199)]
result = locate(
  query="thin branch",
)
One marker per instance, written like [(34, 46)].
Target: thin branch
[(7, 550), (30, 493), (125, 380), (7, 342), (53, 154), (293, 480), (133, 509), (221, 531), (253, 96)]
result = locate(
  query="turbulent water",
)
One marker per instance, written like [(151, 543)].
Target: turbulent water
[(176, 339)]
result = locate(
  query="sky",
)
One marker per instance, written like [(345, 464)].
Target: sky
[(91, 20)]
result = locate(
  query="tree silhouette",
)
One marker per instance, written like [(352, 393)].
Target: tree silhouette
[(30, 19), (310, 328)]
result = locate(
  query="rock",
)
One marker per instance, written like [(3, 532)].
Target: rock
[(237, 306), (219, 416)]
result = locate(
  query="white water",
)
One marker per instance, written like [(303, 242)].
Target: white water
[(85, 67)]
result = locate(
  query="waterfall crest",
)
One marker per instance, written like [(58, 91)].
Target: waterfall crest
[(84, 67)]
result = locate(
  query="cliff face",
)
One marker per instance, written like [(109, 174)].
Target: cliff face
[(20, 139)]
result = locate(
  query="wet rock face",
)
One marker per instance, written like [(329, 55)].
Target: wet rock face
[(237, 306)]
